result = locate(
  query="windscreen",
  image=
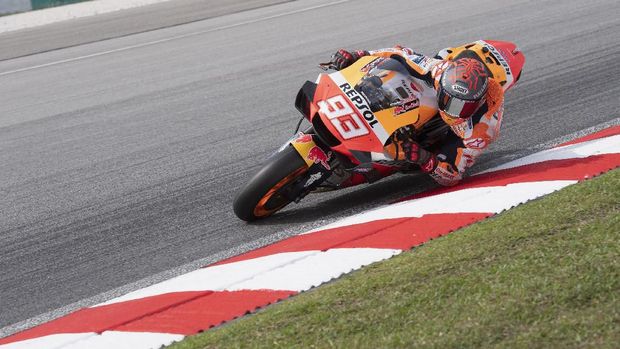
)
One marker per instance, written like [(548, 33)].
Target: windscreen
[(387, 84)]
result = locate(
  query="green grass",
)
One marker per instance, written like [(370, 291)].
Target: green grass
[(543, 275)]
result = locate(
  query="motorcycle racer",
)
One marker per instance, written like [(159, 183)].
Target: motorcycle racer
[(466, 98)]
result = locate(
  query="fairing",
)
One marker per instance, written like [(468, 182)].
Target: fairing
[(360, 107), (367, 102)]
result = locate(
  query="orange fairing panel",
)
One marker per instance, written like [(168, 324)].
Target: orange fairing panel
[(347, 115)]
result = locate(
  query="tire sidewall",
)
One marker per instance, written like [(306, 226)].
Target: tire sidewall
[(278, 167)]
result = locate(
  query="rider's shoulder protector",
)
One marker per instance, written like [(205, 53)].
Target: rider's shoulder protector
[(419, 65)]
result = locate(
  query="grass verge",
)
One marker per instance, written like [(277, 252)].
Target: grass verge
[(543, 275)]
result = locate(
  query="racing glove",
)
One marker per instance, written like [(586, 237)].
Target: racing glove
[(418, 155), (343, 58)]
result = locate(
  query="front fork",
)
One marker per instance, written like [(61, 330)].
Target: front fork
[(321, 161), (328, 170)]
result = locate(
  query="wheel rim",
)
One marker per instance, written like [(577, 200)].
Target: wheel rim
[(271, 202)]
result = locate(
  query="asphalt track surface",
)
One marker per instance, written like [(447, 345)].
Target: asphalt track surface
[(120, 154)]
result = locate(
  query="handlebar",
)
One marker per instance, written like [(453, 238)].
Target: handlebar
[(327, 66)]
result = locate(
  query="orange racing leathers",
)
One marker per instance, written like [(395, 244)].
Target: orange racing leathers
[(469, 137)]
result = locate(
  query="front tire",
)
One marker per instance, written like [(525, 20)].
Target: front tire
[(264, 194)]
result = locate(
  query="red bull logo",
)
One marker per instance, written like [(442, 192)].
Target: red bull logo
[(318, 156), (304, 138)]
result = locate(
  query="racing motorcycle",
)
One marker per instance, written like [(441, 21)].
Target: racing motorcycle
[(354, 113)]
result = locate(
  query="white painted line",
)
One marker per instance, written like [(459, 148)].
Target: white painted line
[(298, 271), (91, 340), (289, 271), (177, 37), (578, 134), (126, 340), (217, 277), (50, 341), (607, 145), (143, 283), (472, 200), (316, 269)]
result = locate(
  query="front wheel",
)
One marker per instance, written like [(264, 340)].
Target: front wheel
[(266, 192)]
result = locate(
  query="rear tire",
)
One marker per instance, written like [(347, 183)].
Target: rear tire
[(263, 194)]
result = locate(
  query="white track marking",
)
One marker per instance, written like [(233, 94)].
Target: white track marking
[(91, 340), (218, 277), (316, 269), (144, 283), (472, 200), (52, 341), (578, 134), (607, 145), (289, 271), (126, 340), (155, 289), (177, 37)]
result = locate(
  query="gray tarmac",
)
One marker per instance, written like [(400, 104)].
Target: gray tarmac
[(122, 145)]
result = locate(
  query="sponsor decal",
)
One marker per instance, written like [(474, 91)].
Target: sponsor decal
[(417, 58), (313, 178), (362, 110), (408, 105), (461, 129), (406, 50), (360, 104), (362, 169), (469, 160), (318, 156), (499, 58), (429, 165), (423, 62), (343, 117), (299, 137), (370, 66), (407, 87), (475, 143), (391, 49), (505, 54), (445, 176), (460, 89), (303, 138)]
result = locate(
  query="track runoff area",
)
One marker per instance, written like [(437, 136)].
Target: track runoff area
[(58, 10), (167, 312)]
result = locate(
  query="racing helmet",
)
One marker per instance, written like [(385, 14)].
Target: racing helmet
[(462, 89)]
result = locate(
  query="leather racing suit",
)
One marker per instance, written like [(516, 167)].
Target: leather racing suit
[(469, 137)]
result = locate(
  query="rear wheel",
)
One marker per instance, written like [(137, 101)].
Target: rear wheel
[(269, 190)]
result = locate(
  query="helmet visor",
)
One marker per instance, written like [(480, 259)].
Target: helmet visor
[(456, 107)]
